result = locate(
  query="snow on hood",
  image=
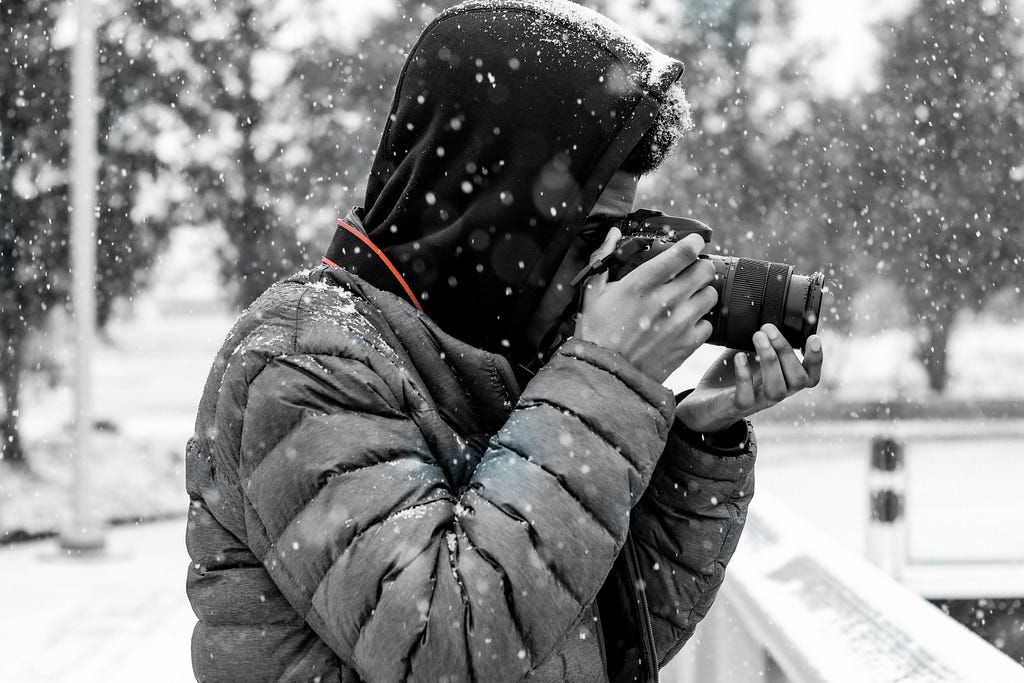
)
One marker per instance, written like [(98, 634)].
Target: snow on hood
[(655, 69), (508, 119)]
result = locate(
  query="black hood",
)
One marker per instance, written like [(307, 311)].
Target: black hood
[(508, 120)]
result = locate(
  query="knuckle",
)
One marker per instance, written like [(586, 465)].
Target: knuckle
[(667, 298), (686, 253), (707, 269), (632, 287), (782, 345), (690, 312), (690, 247)]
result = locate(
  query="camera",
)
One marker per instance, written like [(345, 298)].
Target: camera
[(751, 292)]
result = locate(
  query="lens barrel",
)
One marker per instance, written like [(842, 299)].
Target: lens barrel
[(752, 293)]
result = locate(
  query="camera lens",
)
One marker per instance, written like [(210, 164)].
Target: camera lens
[(752, 293)]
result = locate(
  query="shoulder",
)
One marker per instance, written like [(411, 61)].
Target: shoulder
[(308, 314), (296, 317)]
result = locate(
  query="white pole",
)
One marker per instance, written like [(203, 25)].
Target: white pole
[(887, 532), (83, 532)]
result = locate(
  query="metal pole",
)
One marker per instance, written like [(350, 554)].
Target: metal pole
[(83, 532), (887, 545)]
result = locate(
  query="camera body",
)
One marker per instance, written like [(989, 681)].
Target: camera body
[(751, 292)]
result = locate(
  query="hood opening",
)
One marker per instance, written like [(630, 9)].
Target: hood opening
[(508, 119)]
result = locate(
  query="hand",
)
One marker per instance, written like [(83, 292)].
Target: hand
[(652, 316), (731, 389)]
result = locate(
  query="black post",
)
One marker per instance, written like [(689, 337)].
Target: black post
[(886, 546)]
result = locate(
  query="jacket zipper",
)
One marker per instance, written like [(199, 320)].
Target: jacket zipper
[(640, 594)]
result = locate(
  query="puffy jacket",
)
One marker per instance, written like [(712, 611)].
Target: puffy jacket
[(373, 499)]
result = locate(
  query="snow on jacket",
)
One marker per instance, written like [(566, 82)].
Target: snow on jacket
[(373, 499)]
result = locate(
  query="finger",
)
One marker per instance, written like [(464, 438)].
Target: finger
[(793, 371), (701, 333), (692, 289), (772, 379), (698, 274), (668, 264), (688, 341), (813, 358), (597, 282), (689, 310), (744, 397), (608, 246), (705, 299)]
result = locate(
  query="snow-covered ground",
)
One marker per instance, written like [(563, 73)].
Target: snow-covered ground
[(122, 616)]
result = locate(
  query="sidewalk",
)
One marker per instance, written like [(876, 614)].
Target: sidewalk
[(120, 617)]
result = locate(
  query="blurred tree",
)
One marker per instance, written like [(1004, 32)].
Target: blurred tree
[(34, 134), (212, 49), (919, 182), (133, 221), (943, 141), (279, 156), (342, 87), (720, 172), (285, 110), (767, 164), (33, 191)]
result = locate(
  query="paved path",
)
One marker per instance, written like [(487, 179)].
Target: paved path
[(120, 617)]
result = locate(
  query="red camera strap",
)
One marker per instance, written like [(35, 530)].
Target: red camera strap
[(362, 263)]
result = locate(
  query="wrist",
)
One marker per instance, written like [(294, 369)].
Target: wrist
[(698, 418)]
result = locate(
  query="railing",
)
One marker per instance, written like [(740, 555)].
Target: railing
[(796, 607), (909, 538)]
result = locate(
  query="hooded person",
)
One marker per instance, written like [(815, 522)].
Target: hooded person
[(400, 470)]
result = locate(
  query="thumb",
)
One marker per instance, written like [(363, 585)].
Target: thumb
[(611, 240)]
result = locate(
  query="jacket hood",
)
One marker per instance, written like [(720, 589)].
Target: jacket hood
[(508, 120)]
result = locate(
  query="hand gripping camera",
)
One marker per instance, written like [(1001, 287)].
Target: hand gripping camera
[(750, 292)]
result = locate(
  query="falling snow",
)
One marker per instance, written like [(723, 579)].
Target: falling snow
[(880, 145)]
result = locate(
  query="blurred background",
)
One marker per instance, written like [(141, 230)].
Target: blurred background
[(879, 143)]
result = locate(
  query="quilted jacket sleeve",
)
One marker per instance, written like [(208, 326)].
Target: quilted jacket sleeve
[(404, 574), (686, 528)]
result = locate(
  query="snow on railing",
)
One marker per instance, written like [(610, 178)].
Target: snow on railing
[(796, 607)]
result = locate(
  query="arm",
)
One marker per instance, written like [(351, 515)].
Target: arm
[(687, 525), (690, 519), (404, 576)]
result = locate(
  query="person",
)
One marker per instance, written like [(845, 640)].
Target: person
[(430, 458)]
